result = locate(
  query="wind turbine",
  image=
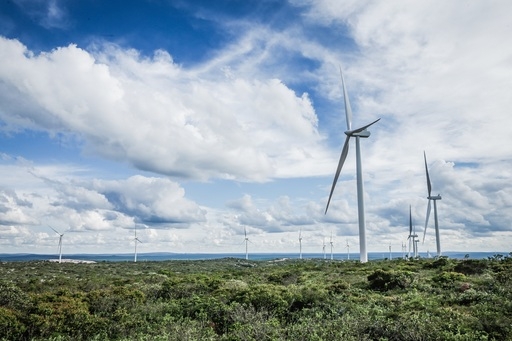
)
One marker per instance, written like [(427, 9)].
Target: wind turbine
[(323, 249), (348, 251), (136, 240), (430, 199), (357, 133), (412, 236), (246, 243), (390, 257), (300, 244), (332, 244), (60, 242)]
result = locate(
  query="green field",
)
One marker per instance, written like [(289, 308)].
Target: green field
[(234, 299)]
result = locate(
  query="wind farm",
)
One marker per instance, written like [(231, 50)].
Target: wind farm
[(162, 138)]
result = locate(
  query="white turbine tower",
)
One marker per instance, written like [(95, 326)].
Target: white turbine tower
[(332, 244), (246, 244), (390, 257), (300, 244), (136, 240), (357, 133), (430, 199), (412, 237), (348, 251), (60, 242), (323, 249)]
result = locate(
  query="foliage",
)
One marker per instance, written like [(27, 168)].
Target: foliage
[(233, 299)]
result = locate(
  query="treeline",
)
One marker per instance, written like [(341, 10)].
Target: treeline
[(233, 299)]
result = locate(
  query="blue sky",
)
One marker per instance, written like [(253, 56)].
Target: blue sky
[(194, 120)]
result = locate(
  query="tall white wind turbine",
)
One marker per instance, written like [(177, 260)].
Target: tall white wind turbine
[(300, 244), (430, 199), (136, 240), (357, 133), (348, 251), (60, 242)]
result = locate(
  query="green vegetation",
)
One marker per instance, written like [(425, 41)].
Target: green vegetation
[(233, 299)]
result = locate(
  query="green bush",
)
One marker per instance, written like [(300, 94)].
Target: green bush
[(382, 280)]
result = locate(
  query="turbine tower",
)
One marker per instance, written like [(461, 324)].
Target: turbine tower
[(332, 244), (390, 257), (348, 251), (136, 240), (430, 199), (412, 237), (323, 249), (300, 244), (60, 242), (246, 243), (358, 134)]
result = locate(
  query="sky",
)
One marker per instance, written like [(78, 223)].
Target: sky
[(191, 122)]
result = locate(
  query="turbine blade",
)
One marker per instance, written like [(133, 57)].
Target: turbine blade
[(358, 130), (348, 110), (54, 230), (429, 185), (343, 156), (426, 221)]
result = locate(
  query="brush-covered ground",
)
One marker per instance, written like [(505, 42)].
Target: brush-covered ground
[(233, 299)]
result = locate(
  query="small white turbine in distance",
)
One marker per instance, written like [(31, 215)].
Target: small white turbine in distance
[(136, 240), (412, 237), (300, 244), (332, 244), (430, 199), (60, 242), (246, 244), (348, 251), (357, 133), (323, 249)]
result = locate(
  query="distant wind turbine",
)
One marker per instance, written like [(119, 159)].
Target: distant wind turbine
[(300, 244), (348, 251), (136, 240), (323, 249), (332, 244), (390, 256), (246, 244), (60, 242), (430, 199), (412, 237), (357, 133)]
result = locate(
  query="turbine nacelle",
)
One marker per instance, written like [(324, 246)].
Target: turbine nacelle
[(436, 197), (364, 134)]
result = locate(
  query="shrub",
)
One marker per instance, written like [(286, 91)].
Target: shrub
[(382, 280), (471, 267)]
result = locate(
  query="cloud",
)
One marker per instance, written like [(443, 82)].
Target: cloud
[(47, 13), (160, 117), (151, 201)]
